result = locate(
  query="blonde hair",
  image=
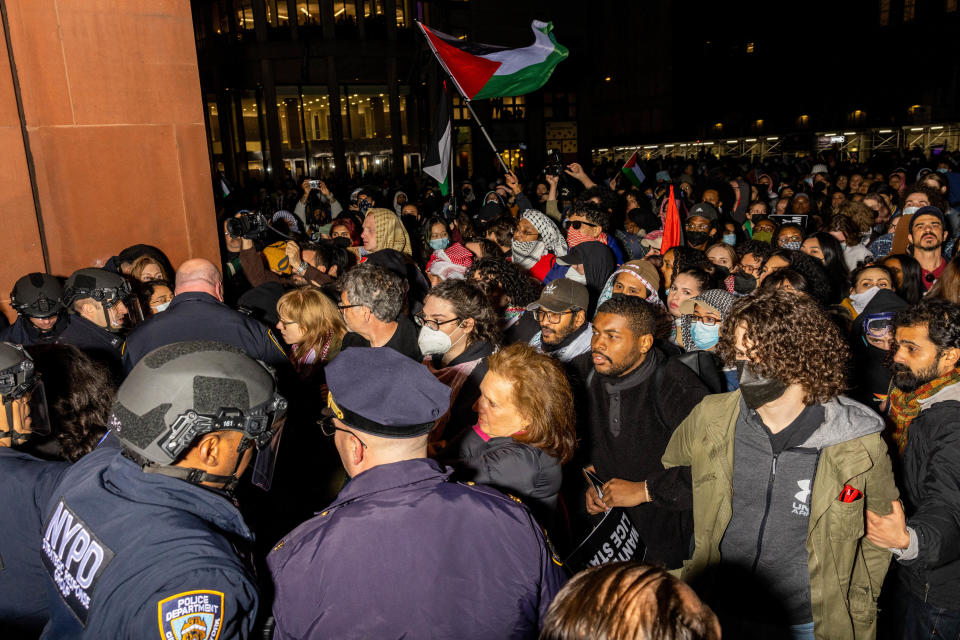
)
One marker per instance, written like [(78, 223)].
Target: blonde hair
[(316, 314), (142, 262)]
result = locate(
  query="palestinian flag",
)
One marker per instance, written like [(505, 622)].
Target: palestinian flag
[(631, 171), (437, 163), (487, 71)]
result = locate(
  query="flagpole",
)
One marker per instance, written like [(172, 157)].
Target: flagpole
[(486, 135), (463, 95)]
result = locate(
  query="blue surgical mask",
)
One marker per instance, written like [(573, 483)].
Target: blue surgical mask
[(943, 170), (161, 307), (439, 244), (909, 211), (730, 239), (705, 336)]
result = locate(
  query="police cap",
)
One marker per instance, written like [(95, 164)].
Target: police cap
[(384, 393)]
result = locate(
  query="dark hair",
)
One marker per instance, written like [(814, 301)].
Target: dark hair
[(502, 228), (428, 229), (766, 205), (705, 279), (592, 212), (79, 396), (776, 279), (541, 393), (609, 200), (793, 340), (145, 290), (934, 196), (686, 258), (628, 600), (761, 250), (520, 288), (470, 302), (860, 269), (942, 318), (849, 228), (817, 279), (330, 255), (833, 262), (789, 225), (911, 286), (637, 311)]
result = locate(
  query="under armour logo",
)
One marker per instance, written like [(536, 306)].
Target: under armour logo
[(804, 492)]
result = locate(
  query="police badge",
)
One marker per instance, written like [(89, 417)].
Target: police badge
[(191, 615)]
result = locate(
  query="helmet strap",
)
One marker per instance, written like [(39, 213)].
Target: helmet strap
[(199, 476)]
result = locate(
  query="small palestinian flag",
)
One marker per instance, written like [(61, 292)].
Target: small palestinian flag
[(631, 171), (487, 71), (437, 163)]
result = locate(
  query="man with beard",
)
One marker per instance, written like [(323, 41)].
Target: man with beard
[(700, 226), (927, 235), (924, 533), (636, 397), (561, 312)]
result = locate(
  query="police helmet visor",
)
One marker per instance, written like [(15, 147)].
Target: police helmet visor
[(24, 411), (261, 429)]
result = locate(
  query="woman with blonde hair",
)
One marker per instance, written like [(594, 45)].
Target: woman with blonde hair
[(145, 269), (525, 430), (313, 327)]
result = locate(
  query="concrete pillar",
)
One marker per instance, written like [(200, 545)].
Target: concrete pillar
[(112, 112)]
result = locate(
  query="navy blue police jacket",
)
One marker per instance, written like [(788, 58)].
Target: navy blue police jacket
[(95, 341), (136, 555), (25, 333), (405, 553), (199, 316), (28, 483)]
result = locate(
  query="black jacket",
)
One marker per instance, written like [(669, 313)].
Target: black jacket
[(931, 493), (510, 466)]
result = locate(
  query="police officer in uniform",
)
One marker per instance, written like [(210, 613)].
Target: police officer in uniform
[(145, 542), (38, 301), (403, 552), (28, 482), (102, 308), (197, 312)]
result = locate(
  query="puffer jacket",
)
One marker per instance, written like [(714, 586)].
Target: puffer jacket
[(846, 570)]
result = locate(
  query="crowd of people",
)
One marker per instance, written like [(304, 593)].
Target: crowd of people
[(389, 413)]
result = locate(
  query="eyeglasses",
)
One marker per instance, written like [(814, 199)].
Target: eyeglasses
[(749, 270), (576, 224), (286, 323), (697, 227), (344, 307), (329, 429), (421, 321), (550, 316), (707, 320)]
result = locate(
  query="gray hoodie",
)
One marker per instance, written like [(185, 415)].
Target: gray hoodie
[(765, 542)]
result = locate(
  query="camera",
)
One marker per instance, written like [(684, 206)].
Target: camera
[(314, 184), (250, 225), (554, 165)]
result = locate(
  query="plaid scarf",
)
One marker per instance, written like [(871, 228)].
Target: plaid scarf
[(575, 237), (904, 407)]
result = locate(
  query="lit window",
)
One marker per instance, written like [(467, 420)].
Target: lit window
[(749, 47), (909, 10)]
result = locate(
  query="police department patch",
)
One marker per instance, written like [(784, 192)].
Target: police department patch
[(191, 615)]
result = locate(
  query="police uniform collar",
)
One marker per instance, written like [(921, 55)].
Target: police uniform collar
[(124, 478), (192, 296), (384, 477), (92, 328)]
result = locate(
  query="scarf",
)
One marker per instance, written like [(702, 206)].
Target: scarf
[(607, 292), (391, 234), (904, 406), (450, 263), (549, 234), (453, 376), (580, 343), (574, 238), (527, 254)]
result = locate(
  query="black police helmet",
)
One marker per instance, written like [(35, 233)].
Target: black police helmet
[(17, 372), (37, 295), (99, 284), (179, 392)]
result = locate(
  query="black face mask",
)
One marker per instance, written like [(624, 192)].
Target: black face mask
[(720, 272), (697, 238), (757, 390), (744, 283)]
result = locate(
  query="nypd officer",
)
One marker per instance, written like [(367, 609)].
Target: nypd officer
[(102, 308), (197, 312), (37, 299), (145, 542), (27, 483), (403, 552)]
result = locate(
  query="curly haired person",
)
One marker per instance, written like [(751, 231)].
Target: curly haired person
[(783, 471)]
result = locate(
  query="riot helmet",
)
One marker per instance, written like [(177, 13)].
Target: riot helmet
[(180, 392), (121, 309), (37, 295), (24, 401)]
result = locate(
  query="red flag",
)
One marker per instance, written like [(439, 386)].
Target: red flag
[(672, 231)]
